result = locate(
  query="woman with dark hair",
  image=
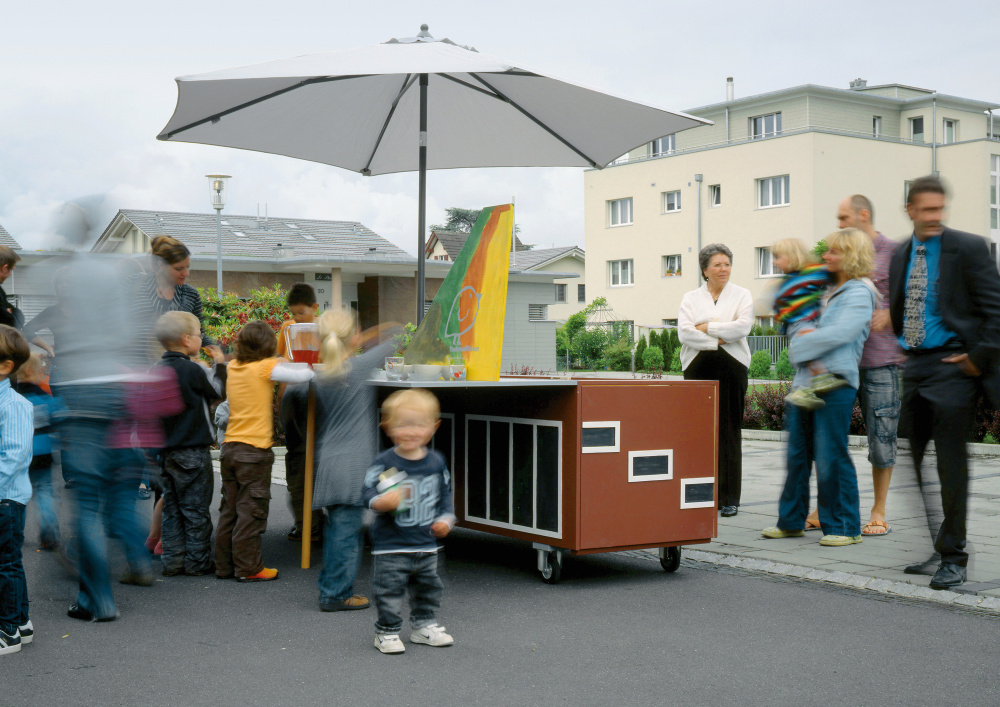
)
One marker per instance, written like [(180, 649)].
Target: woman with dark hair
[(712, 326)]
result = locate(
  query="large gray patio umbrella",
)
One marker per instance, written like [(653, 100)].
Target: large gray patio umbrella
[(413, 104)]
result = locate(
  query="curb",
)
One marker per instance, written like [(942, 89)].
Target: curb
[(976, 449), (851, 581)]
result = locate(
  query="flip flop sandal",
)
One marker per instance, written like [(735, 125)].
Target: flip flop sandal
[(875, 524), (810, 526)]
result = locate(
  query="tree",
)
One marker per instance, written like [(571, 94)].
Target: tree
[(464, 219), (820, 248), (640, 349)]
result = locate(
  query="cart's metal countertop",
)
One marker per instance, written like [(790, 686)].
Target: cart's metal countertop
[(502, 383)]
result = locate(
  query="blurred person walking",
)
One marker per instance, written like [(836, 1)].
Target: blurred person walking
[(9, 314), (944, 302), (712, 326)]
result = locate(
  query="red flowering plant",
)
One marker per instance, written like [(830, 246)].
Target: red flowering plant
[(226, 315)]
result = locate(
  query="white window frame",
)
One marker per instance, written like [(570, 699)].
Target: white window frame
[(616, 269), (560, 290), (906, 191), (671, 262), (698, 481), (671, 201), (949, 124), (876, 126), (614, 448), (913, 133), (620, 212), (760, 121), (766, 186), (668, 453), (714, 195), (765, 264), (666, 145)]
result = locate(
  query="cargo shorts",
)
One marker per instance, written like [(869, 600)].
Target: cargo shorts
[(878, 396)]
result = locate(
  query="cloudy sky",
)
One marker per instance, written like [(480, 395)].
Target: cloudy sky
[(86, 87)]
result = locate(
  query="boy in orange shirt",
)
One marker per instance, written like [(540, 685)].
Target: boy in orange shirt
[(304, 308), (246, 453)]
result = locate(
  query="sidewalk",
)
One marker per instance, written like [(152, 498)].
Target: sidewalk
[(877, 563)]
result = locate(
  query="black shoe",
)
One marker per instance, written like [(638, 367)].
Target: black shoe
[(928, 567), (78, 612), (730, 511), (209, 569), (948, 575), (295, 533)]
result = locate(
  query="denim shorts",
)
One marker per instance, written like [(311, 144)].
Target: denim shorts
[(878, 395)]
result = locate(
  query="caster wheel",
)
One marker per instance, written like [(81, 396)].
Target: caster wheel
[(670, 558), (551, 567)]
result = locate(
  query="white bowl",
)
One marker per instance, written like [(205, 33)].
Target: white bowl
[(425, 372)]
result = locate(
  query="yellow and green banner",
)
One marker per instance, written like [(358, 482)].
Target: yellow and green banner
[(465, 321)]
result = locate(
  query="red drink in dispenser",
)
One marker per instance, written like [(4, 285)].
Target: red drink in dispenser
[(302, 343)]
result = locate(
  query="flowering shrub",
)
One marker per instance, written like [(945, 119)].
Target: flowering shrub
[(226, 315)]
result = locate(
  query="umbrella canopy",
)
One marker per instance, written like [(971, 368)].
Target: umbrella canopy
[(413, 104)]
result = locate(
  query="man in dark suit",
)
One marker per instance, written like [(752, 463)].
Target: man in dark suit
[(944, 302)]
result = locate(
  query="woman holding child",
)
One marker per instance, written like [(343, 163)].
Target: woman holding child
[(820, 434), (712, 326)]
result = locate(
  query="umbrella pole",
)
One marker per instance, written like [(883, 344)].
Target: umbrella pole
[(307, 482), (422, 197)]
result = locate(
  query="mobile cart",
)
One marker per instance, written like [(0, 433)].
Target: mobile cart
[(581, 465)]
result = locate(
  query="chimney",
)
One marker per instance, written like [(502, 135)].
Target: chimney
[(730, 89), (279, 251), (858, 84)]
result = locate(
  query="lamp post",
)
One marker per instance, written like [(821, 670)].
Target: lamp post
[(217, 185)]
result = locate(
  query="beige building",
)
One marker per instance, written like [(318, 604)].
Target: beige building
[(773, 166)]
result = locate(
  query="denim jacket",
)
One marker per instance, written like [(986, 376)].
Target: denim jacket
[(840, 335)]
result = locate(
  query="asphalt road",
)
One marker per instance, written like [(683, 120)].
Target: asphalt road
[(616, 631)]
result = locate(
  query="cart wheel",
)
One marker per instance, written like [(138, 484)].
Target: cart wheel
[(552, 567), (670, 558)]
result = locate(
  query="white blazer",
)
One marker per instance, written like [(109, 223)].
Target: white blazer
[(728, 319)]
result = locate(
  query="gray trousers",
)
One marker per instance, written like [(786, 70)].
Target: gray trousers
[(187, 521)]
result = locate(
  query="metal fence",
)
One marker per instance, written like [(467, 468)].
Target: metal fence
[(772, 344)]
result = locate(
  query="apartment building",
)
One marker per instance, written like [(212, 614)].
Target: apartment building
[(776, 165)]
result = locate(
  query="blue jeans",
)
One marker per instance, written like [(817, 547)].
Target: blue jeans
[(41, 493), (393, 572), (13, 585), (821, 436), (341, 553)]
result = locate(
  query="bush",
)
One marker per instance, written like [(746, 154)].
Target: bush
[(770, 331), (654, 338), (760, 364), (765, 407), (652, 359), (640, 349), (226, 315), (589, 344), (675, 361), (756, 330), (784, 368), (618, 356)]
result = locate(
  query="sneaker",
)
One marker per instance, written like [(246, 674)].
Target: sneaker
[(295, 533), (839, 540), (12, 644), (825, 383), (143, 493), (76, 611), (265, 575), (805, 399), (388, 643), (775, 532), (27, 633), (432, 635), (349, 604)]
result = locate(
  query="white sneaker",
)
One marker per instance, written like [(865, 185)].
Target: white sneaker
[(27, 633), (9, 643), (389, 643), (432, 635)]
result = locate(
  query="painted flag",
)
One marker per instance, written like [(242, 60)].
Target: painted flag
[(465, 321)]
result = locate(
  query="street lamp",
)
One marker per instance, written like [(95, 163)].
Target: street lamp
[(217, 185)]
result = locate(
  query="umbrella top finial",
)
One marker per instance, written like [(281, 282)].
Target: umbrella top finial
[(423, 31)]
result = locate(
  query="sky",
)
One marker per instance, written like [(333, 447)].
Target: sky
[(86, 87)]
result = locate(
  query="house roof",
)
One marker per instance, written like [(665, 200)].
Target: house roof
[(7, 240), (253, 237), (537, 257), (452, 241)]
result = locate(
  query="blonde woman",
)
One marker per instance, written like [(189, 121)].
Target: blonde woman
[(821, 435)]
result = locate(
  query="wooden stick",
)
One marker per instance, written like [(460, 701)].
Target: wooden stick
[(307, 493)]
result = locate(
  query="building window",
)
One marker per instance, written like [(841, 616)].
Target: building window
[(772, 191), (765, 264), (995, 192), (950, 131), (765, 126), (671, 265), (715, 195), (620, 273), (917, 129), (538, 312), (560, 293), (620, 212), (876, 125), (671, 201), (669, 323), (662, 146), (581, 293), (906, 192)]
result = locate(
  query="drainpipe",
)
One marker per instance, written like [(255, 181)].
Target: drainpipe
[(934, 169), (697, 269)]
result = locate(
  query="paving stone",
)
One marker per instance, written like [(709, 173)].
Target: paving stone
[(780, 568), (817, 574), (945, 597), (797, 571), (903, 589), (700, 555), (990, 603), (879, 585), (857, 581), (923, 593), (728, 560), (758, 564), (839, 577), (969, 600)]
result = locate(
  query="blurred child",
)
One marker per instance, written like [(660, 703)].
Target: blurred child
[(29, 381), (187, 460), (16, 432), (246, 453), (798, 304), (409, 486), (304, 308)]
